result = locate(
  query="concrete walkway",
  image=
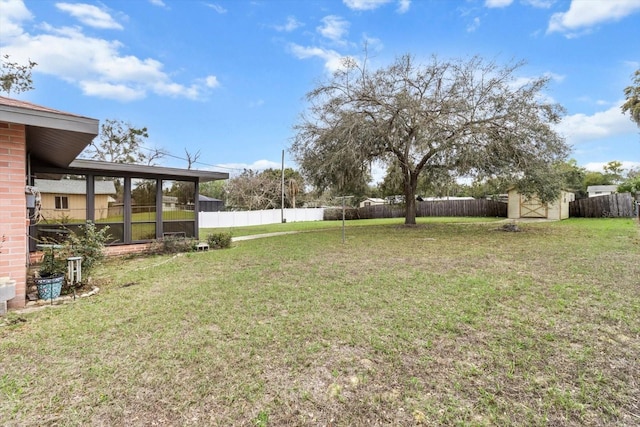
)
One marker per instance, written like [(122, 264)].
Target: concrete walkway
[(260, 236)]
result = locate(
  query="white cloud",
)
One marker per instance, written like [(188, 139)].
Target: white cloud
[(95, 65), (256, 104), (474, 25), (541, 4), (118, 92), (291, 24), (555, 77), (365, 4), (90, 15), (578, 128), (334, 28), (333, 60), (14, 13), (373, 44), (212, 82), (221, 10), (403, 6), (158, 3), (497, 3), (599, 166), (582, 15)]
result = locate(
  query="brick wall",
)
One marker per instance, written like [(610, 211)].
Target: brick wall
[(13, 209), (119, 250)]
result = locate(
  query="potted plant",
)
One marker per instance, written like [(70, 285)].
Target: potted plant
[(50, 277)]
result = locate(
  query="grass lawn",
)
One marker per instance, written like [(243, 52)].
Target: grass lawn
[(445, 323), (324, 225)]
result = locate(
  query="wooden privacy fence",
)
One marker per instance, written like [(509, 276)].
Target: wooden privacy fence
[(618, 205), (479, 207)]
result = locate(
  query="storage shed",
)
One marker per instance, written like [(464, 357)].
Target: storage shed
[(209, 204), (521, 206)]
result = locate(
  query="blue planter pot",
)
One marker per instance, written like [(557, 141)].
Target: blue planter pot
[(49, 287)]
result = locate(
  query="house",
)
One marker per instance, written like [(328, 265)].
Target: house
[(521, 206), (601, 190), (39, 145), (372, 201), (68, 198), (443, 198)]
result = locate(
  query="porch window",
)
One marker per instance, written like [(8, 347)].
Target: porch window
[(62, 202), (109, 206), (178, 208), (143, 209)]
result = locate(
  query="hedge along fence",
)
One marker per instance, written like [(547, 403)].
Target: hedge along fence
[(474, 208), (618, 205)]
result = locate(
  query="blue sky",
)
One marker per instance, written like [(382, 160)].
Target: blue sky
[(228, 78)]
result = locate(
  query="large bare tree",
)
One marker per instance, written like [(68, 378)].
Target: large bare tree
[(464, 118)]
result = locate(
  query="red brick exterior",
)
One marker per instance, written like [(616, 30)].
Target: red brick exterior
[(13, 208), (119, 250)]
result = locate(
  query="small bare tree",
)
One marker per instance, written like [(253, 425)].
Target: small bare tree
[(191, 158), (14, 77)]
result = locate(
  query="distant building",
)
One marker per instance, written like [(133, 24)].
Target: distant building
[(209, 204), (372, 201), (521, 206), (601, 190)]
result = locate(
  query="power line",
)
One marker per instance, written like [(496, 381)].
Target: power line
[(168, 154)]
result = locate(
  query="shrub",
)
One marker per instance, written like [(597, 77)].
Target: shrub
[(87, 243), (172, 245), (219, 240)]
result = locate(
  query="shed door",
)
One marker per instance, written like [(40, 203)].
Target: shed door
[(532, 208)]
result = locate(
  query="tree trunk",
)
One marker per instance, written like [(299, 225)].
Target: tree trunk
[(410, 200), (410, 217)]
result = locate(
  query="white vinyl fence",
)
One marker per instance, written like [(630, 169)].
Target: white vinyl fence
[(269, 216)]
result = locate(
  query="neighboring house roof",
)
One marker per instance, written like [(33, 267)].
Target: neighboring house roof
[(53, 136), (602, 188), (374, 200), (72, 186), (437, 199), (202, 198)]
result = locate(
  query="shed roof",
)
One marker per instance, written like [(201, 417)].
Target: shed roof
[(594, 188), (204, 198)]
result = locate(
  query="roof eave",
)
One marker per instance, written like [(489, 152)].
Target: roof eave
[(146, 170)]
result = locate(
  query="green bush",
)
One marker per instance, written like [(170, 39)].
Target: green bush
[(220, 240), (87, 243), (172, 245)]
